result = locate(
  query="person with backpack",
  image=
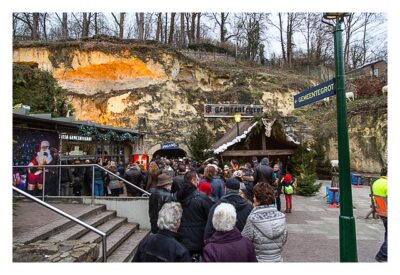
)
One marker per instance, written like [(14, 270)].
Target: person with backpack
[(288, 190)]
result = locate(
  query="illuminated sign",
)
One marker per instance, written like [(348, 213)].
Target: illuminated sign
[(169, 146), (228, 110), (75, 137), (315, 93)]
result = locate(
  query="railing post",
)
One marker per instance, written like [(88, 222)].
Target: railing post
[(44, 182), (105, 248), (59, 181), (93, 184)]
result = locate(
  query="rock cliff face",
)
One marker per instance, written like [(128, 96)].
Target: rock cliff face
[(162, 93)]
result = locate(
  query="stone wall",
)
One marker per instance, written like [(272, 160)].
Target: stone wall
[(56, 251)]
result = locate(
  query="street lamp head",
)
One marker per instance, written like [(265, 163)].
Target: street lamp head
[(237, 117), (335, 15)]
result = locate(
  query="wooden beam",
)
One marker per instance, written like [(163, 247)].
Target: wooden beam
[(246, 153)]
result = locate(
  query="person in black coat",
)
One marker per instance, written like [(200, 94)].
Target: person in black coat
[(263, 173), (196, 207), (243, 208), (164, 246), (159, 196), (134, 176), (177, 181)]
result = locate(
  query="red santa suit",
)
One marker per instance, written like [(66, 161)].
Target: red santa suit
[(43, 157)]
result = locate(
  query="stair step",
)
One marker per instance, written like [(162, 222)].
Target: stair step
[(57, 226), (116, 238), (78, 230), (107, 227), (126, 251)]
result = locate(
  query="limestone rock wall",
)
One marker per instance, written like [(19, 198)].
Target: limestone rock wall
[(123, 84)]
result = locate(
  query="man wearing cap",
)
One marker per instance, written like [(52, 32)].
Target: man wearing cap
[(243, 208), (159, 196)]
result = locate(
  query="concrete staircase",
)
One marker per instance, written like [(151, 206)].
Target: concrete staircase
[(123, 237)]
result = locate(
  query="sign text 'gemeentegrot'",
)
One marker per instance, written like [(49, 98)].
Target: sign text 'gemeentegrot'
[(228, 110), (315, 93)]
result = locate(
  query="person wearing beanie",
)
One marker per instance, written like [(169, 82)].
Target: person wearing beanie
[(205, 187), (232, 196), (288, 190), (227, 244)]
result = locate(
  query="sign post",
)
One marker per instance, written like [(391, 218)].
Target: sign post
[(315, 93)]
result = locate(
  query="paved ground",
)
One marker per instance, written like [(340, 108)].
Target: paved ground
[(29, 216), (313, 226), (314, 229)]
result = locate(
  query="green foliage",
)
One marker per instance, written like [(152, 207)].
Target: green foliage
[(38, 89), (200, 140), (305, 172)]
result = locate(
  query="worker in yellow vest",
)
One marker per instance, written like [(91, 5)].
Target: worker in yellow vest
[(379, 192)]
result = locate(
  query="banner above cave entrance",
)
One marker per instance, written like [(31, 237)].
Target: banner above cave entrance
[(228, 110)]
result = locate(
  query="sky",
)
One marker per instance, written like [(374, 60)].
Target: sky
[(388, 6)]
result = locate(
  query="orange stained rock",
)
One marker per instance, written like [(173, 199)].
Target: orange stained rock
[(114, 70)]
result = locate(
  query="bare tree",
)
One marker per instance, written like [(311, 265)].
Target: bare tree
[(140, 24), (183, 35), (166, 29), (32, 23), (221, 20), (171, 28), (120, 23), (198, 28), (85, 24), (159, 26)]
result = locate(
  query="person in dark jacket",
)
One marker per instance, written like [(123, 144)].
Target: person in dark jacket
[(217, 183), (227, 244), (134, 176), (242, 207), (177, 181), (196, 207), (263, 173), (164, 246), (277, 179), (159, 196), (99, 176)]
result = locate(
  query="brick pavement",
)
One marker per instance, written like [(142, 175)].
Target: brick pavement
[(314, 229)]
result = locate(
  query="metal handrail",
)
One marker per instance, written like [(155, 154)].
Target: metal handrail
[(79, 165), (68, 216)]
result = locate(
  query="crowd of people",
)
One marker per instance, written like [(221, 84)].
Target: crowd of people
[(205, 213)]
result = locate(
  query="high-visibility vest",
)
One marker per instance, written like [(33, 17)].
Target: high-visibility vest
[(379, 188), (380, 206)]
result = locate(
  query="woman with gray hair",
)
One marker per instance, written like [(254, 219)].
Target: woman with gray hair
[(227, 244), (164, 246)]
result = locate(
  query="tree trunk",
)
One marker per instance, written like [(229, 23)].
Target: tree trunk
[(121, 24), (85, 24), (35, 26), (166, 29), (44, 27), (183, 36), (193, 27), (171, 28), (188, 28), (198, 28), (281, 35), (64, 25), (222, 27), (140, 24), (159, 26)]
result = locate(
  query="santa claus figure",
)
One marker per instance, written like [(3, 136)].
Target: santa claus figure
[(43, 157)]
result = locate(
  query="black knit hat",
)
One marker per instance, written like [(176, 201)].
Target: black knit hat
[(232, 184)]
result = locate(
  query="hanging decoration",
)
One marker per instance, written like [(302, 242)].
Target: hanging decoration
[(92, 131)]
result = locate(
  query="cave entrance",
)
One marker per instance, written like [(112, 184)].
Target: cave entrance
[(170, 153)]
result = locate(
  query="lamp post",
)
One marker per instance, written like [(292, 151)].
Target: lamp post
[(347, 228), (237, 117)]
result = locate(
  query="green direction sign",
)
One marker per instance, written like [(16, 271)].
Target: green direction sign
[(315, 93)]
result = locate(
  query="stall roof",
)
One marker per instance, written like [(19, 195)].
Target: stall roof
[(245, 127), (70, 122), (231, 138)]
